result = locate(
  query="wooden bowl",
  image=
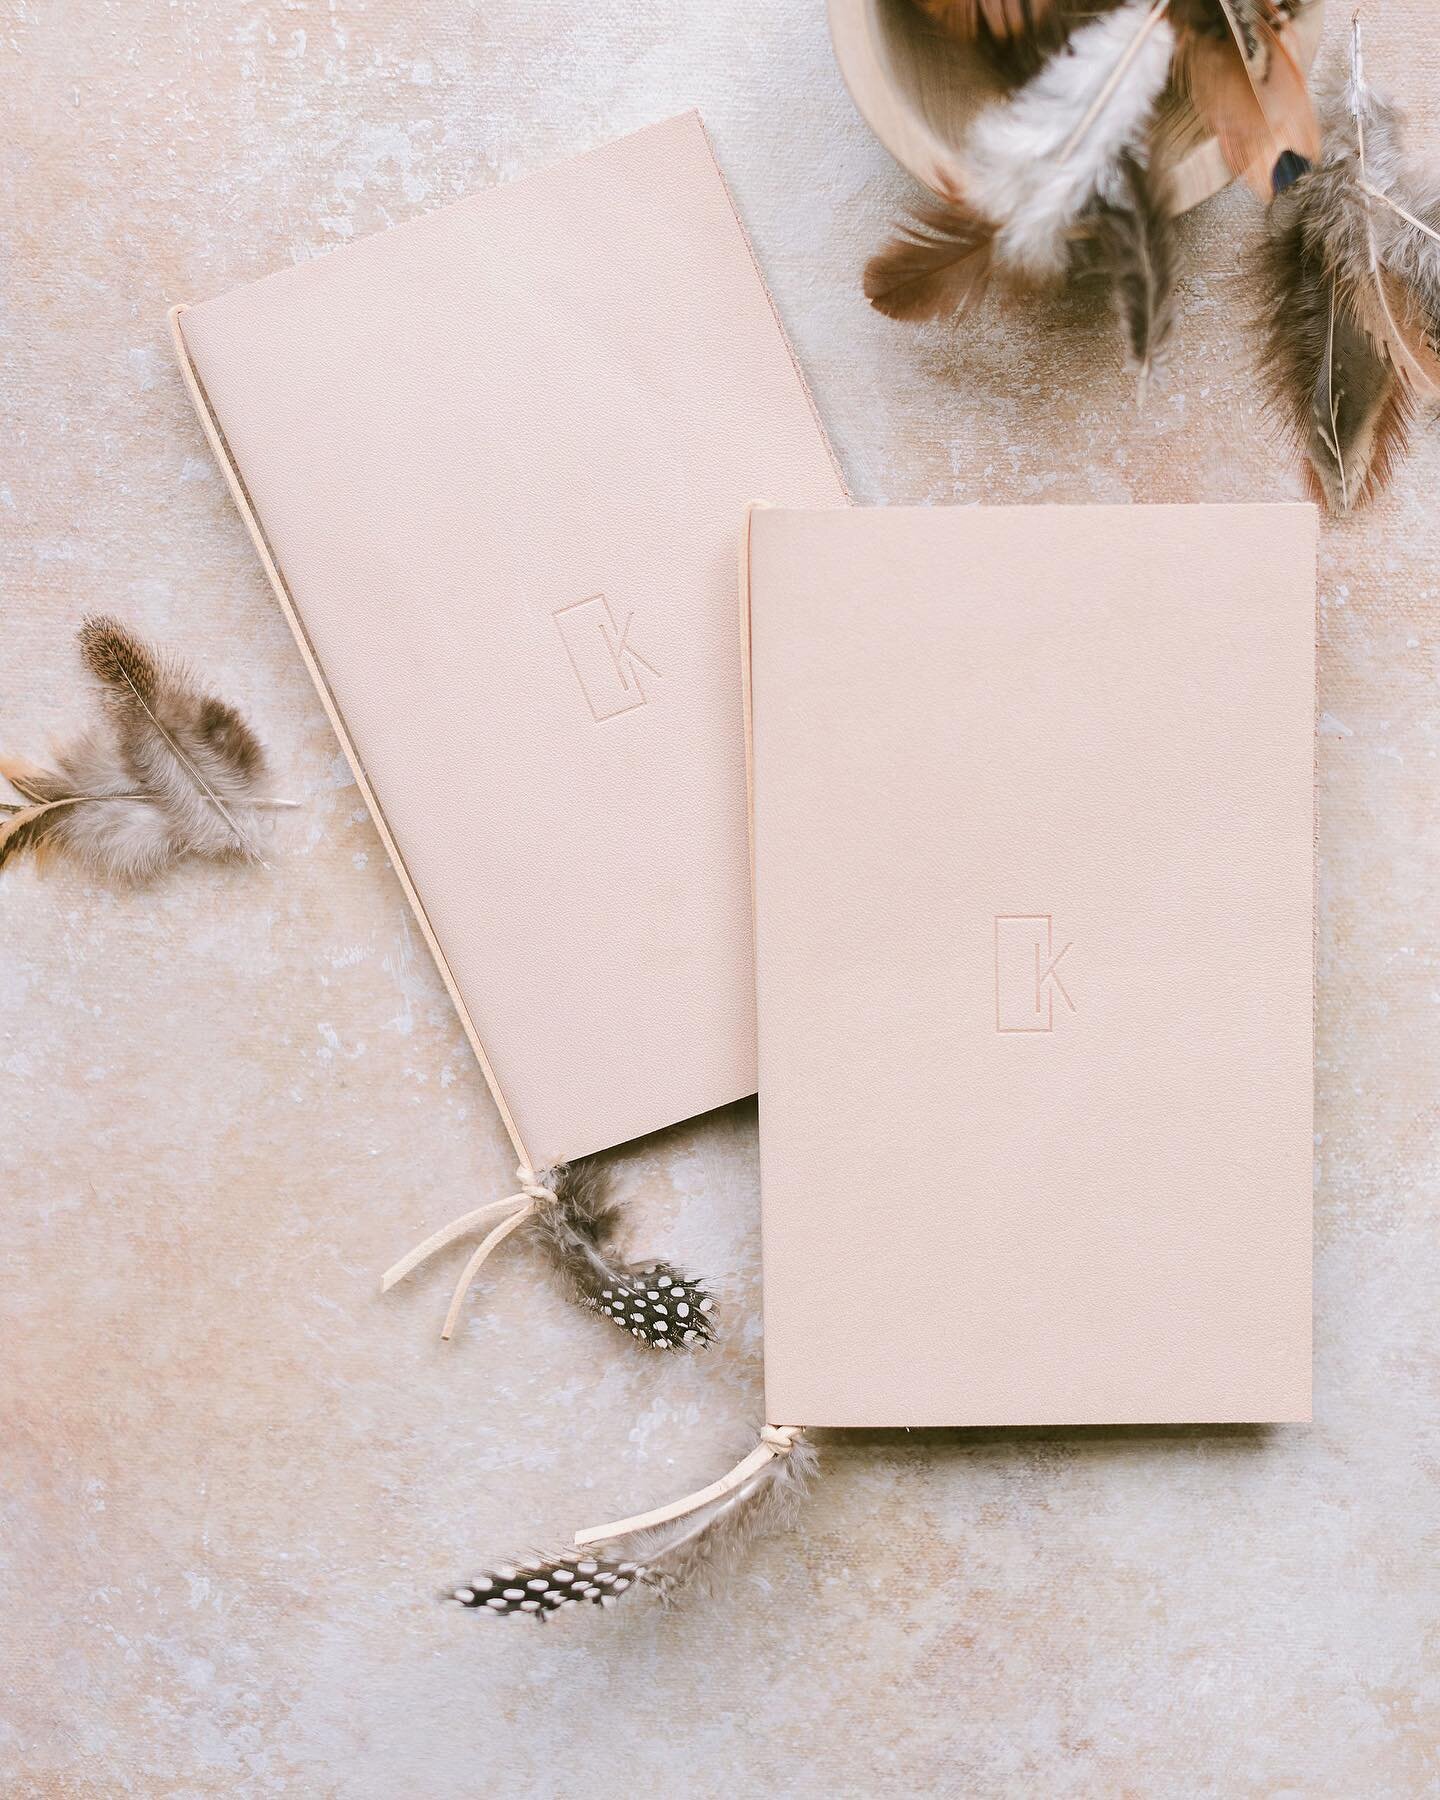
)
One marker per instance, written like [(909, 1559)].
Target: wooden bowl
[(918, 89)]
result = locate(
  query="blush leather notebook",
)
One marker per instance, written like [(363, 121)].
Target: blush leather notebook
[(494, 462), (1034, 847)]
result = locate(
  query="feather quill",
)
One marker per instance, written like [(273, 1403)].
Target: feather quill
[(687, 1555), (1033, 164), (168, 773), (1351, 277), (1131, 247)]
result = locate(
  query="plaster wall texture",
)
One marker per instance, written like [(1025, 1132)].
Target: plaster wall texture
[(233, 1477)]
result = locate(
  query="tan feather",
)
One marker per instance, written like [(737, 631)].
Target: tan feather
[(1395, 319), (27, 827), (187, 749), (937, 266), (1252, 95), (1222, 19), (26, 778), (1019, 56)]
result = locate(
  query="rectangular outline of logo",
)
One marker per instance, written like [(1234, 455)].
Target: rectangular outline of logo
[(1048, 920), (626, 649)]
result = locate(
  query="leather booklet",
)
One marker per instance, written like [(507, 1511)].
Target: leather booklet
[(1034, 852), (494, 462)]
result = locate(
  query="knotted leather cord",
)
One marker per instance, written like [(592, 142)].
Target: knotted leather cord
[(519, 1207), (775, 1440)]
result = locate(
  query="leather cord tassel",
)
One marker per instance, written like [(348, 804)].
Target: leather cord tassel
[(568, 1211), (683, 1546)]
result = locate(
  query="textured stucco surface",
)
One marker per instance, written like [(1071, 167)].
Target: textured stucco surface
[(233, 1477)]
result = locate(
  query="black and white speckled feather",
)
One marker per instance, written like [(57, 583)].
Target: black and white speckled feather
[(655, 1302), (568, 1212), (544, 1585)]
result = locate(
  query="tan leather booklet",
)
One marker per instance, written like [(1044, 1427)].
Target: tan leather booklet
[(1033, 841), (493, 461)]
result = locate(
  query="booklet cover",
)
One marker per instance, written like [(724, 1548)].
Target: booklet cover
[(494, 461), (1034, 849)]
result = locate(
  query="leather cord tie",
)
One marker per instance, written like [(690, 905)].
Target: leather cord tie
[(516, 1208), (775, 1440)]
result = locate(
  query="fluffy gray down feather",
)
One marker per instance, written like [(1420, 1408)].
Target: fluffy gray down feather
[(655, 1302)]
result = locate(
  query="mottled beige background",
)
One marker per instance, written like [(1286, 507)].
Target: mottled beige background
[(233, 1476)]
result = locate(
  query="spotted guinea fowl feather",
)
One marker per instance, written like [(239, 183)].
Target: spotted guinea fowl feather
[(653, 1301), (543, 1585)]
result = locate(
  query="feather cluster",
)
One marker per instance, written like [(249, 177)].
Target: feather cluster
[(168, 772), (686, 1555), (1351, 277), (1057, 179), (657, 1304)]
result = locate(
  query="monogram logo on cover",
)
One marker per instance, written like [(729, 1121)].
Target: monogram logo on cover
[(606, 664), (1027, 972)]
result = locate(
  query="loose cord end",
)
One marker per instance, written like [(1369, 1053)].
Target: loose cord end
[(519, 1207)]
